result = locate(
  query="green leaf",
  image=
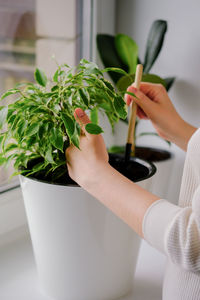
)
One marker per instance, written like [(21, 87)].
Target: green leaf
[(117, 70), (84, 96), (116, 149), (3, 115), (40, 77), (75, 139), (56, 138), (69, 124), (127, 49), (126, 81), (32, 129), (93, 128), (10, 147), (154, 43), (21, 126), (55, 76), (94, 116), (1, 139), (48, 155), (54, 88), (169, 81), (120, 105), (10, 92), (109, 55)]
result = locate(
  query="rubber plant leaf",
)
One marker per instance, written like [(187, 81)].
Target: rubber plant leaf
[(93, 128), (154, 43), (109, 55), (40, 77), (127, 50), (126, 81), (169, 81)]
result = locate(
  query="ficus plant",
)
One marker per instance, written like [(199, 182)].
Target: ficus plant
[(122, 51), (40, 124)]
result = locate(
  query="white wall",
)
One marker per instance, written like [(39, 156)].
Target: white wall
[(180, 56)]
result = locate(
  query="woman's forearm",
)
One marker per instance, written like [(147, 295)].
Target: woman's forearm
[(123, 197)]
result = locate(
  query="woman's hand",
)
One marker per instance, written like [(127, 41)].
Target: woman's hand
[(86, 164), (154, 104)]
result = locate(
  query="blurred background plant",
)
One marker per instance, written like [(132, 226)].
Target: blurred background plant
[(121, 51)]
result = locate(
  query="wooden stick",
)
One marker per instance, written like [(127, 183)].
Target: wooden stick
[(131, 127)]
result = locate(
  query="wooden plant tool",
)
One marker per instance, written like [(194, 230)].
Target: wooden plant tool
[(130, 144)]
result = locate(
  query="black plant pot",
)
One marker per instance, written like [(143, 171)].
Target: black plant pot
[(136, 170), (152, 154)]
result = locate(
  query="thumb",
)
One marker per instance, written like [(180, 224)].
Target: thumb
[(144, 102), (82, 118)]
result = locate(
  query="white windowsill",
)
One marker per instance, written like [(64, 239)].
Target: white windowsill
[(19, 277), (12, 213)]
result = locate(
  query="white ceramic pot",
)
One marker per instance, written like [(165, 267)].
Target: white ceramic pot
[(163, 160), (161, 180), (82, 250)]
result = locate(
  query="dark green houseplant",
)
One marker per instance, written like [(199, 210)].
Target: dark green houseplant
[(121, 51)]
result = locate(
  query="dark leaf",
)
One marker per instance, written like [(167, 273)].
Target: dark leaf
[(120, 107), (154, 43), (40, 77), (169, 81), (126, 81), (69, 124), (32, 129), (48, 155), (56, 138), (93, 128), (84, 96), (10, 147), (109, 56)]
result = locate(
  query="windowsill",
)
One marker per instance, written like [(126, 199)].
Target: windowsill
[(12, 212), (9, 186), (19, 278)]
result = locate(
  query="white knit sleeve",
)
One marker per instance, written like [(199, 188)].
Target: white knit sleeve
[(175, 231)]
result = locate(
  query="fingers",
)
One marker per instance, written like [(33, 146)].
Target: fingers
[(144, 102), (82, 119)]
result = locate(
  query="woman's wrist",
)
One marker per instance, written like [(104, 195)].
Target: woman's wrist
[(94, 175), (182, 134)]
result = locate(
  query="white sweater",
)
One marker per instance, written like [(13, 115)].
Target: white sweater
[(175, 230)]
